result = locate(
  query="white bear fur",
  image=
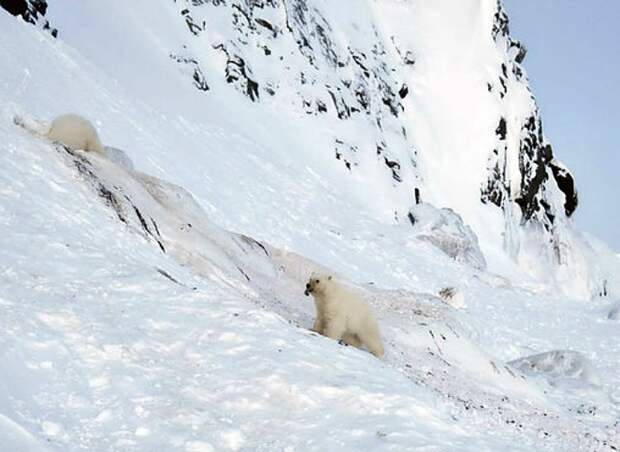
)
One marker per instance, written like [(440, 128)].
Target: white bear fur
[(342, 314), (73, 131)]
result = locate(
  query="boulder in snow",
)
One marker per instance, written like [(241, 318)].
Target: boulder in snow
[(32, 11), (445, 229)]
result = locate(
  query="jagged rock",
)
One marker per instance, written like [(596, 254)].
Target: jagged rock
[(504, 90), (347, 153), (566, 184), (239, 74), (403, 91), (193, 27), (267, 25), (496, 189), (342, 109), (500, 24), (406, 56), (32, 11), (395, 167), (198, 76), (534, 157), (501, 129), (518, 51)]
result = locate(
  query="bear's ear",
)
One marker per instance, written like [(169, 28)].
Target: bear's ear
[(329, 278)]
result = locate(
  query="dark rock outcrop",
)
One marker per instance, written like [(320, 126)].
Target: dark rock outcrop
[(32, 11), (193, 67), (566, 183)]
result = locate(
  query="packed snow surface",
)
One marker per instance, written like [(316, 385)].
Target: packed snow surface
[(153, 299)]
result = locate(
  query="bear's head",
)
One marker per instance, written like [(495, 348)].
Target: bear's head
[(317, 283)]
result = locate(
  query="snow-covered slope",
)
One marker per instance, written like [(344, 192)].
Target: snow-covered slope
[(163, 309)]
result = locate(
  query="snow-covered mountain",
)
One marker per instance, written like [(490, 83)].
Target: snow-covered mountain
[(396, 144)]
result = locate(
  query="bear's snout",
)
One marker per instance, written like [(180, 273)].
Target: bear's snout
[(308, 289)]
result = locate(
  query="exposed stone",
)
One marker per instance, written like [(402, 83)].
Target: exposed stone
[(566, 184), (198, 76), (32, 11), (501, 129)]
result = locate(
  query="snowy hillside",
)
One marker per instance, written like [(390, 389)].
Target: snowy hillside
[(162, 308)]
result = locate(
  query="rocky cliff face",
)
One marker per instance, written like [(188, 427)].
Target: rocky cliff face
[(296, 52), (309, 57), (537, 167)]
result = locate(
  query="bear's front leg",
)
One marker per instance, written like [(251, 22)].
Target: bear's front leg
[(318, 326), (334, 330)]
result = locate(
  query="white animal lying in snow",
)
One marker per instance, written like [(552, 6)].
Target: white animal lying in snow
[(73, 131), (76, 133)]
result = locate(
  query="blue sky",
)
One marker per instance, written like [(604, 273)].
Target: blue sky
[(573, 63)]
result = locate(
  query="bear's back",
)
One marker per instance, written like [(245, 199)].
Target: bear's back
[(75, 132)]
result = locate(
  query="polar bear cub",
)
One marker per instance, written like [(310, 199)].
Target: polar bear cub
[(343, 314), (73, 131)]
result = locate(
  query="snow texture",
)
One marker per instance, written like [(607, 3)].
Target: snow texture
[(152, 298)]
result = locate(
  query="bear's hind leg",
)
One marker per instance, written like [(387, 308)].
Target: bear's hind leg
[(372, 341), (352, 339)]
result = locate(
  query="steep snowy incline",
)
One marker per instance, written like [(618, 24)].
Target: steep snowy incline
[(102, 352), (109, 347), (114, 337), (452, 111)]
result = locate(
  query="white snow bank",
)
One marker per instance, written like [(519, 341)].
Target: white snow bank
[(557, 365), (445, 229), (119, 157)]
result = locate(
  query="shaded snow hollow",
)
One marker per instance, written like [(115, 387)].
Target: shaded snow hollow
[(163, 308)]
